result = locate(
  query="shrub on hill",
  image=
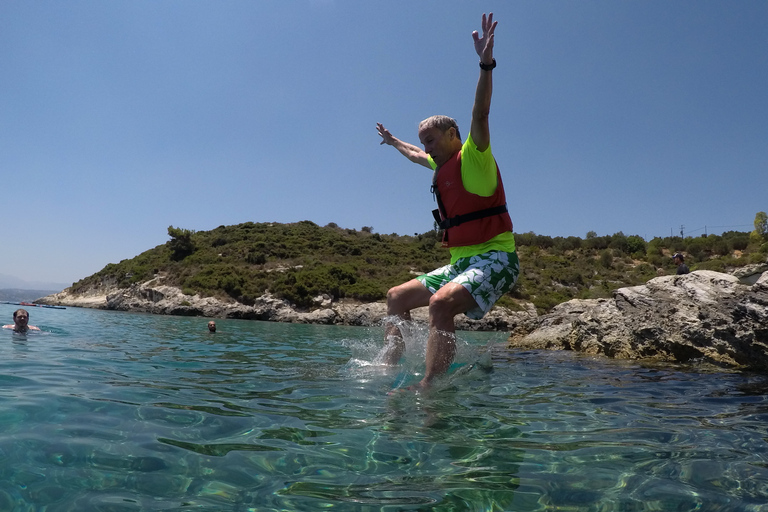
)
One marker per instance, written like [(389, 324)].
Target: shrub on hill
[(302, 260)]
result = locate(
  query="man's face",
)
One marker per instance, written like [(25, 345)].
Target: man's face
[(438, 144), (21, 320)]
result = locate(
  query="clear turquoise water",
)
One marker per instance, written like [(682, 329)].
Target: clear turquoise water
[(112, 411)]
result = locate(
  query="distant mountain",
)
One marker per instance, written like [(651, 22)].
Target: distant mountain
[(14, 283), (17, 295)]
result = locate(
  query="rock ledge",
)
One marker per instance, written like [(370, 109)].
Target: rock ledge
[(704, 315)]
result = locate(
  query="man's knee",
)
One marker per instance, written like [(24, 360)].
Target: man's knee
[(449, 302), (394, 295), (405, 297)]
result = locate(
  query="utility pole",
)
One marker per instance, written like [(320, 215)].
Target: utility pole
[(681, 231)]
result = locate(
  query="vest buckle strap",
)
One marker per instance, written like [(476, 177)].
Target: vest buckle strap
[(467, 217)]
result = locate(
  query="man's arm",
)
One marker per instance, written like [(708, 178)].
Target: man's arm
[(413, 153), (479, 128)]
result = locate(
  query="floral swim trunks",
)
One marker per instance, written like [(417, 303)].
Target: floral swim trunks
[(486, 276)]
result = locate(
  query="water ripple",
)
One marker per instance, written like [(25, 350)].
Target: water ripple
[(115, 411)]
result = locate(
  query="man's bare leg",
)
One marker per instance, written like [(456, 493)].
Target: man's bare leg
[(444, 305), (400, 301), (395, 346)]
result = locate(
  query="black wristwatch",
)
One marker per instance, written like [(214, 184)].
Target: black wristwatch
[(487, 67)]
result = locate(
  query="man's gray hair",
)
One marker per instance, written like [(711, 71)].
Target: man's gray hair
[(442, 123)]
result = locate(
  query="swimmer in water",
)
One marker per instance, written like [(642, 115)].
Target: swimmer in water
[(20, 322)]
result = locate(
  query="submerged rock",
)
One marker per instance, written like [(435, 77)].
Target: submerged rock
[(703, 315)]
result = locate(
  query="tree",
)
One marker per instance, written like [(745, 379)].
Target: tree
[(606, 259), (180, 244), (635, 244), (761, 225)]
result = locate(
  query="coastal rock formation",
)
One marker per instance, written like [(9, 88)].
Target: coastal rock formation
[(152, 297), (749, 274), (704, 315)]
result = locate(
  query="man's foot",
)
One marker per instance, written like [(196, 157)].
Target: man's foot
[(419, 387)]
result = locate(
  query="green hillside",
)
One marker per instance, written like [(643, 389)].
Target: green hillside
[(302, 260)]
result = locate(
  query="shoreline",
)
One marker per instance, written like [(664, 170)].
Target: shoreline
[(168, 300)]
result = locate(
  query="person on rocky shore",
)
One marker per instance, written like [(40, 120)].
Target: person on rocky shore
[(21, 322), (682, 268), (472, 212)]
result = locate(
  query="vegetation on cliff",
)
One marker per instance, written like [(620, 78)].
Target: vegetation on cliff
[(302, 260)]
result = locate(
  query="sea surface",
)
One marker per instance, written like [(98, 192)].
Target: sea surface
[(111, 411)]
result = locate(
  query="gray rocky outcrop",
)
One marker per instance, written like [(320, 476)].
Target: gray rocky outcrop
[(154, 297), (704, 315), (749, 274)]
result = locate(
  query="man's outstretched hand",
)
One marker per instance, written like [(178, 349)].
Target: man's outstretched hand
[(484, 45), (386, 137)]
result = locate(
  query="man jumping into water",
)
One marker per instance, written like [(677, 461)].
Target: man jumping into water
[(473, 214)]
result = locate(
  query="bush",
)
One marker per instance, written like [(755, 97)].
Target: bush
[(716, 265), (635, 244), (546, 302), (597, 243), (302, 260), (524, 239), (571, 243), (606, 258), (256, 258), (738, 243)]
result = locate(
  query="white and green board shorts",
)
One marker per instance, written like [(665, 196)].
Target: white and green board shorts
[(486, 276)]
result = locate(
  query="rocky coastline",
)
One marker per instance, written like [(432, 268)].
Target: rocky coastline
[(154, 297), (704, 316)]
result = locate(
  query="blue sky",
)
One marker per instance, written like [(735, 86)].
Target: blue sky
[(121, 118)]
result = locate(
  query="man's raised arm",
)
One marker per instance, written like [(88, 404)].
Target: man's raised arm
[(413, 153), (479, 129)]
